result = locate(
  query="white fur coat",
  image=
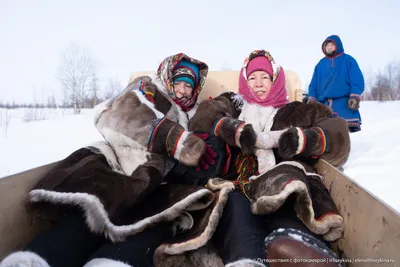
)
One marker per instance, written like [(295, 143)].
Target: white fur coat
[(262, 119)]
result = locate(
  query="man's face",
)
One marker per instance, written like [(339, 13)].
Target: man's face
[(330, 48)]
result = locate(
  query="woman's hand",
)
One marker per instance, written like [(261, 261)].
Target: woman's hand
[(208, 156)]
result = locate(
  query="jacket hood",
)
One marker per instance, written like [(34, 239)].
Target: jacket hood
[(339, 45), (165, 71)]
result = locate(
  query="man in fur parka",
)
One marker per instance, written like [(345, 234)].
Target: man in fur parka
[(288, 198), (110, 203)]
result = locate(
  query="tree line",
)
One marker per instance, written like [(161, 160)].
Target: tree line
[(78, 77)]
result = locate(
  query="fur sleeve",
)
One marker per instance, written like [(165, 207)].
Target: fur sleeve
[(298, 114)]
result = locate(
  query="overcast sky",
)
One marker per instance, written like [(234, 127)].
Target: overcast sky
[(125, 36)]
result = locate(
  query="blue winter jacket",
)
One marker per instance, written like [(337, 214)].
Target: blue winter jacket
[(335, 79)]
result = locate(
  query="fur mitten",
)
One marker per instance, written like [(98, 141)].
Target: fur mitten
[(236, 133), (170, 138)]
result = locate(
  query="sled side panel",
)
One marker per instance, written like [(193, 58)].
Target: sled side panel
[(372, 228), (17, 228)]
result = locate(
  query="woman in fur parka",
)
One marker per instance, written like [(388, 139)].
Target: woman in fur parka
[(283, 197), (110, 203)]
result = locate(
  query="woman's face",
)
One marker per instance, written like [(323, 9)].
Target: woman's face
[(260, 83), (182, 89)]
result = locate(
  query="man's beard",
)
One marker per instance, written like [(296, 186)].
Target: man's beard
[(331, 53)]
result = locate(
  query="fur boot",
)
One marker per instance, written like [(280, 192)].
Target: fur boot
[(286, 245)]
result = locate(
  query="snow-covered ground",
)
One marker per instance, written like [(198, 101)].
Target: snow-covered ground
[(53, 134)]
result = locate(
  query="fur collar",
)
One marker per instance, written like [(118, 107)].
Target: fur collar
[(260, 117)]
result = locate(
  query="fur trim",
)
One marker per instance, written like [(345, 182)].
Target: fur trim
[(298, 165), (23, 259), (216, 184), (245, 263), (97, 218), (238, 133), (179, 144), (182, 223), (204, 237), (130, 154), (302, 140), (329, 225), (237, 100), (262, 118), (101, 147), (206, 256), (269, 204), (143, 99), (98, 110), (104, 262)]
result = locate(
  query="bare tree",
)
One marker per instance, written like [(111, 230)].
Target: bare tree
[(51, 101), (113, 88), (5, 117), (382, 90), (94, 91), (76, 73), (386, 84)]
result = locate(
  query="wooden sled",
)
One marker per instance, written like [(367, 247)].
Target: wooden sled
[(372, 228)]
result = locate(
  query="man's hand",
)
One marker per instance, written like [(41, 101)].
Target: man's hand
[(354, 102), (311, 99)]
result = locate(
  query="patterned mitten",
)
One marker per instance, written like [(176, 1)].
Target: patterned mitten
[(311, 142), (170, 138)]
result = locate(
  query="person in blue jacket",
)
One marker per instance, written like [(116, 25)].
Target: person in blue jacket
[(338, 82)]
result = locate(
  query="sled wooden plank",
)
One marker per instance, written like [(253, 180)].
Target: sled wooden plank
[(17, 228), (372, 228)]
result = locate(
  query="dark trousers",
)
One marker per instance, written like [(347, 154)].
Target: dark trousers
[(241, 234), (69, 243)]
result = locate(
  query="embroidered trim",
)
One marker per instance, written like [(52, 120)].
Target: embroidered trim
[(149, 95), (216, 126), (228, 160), (153, 132), (356, 96), (323, 140), (238, 132), (176, 143)]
